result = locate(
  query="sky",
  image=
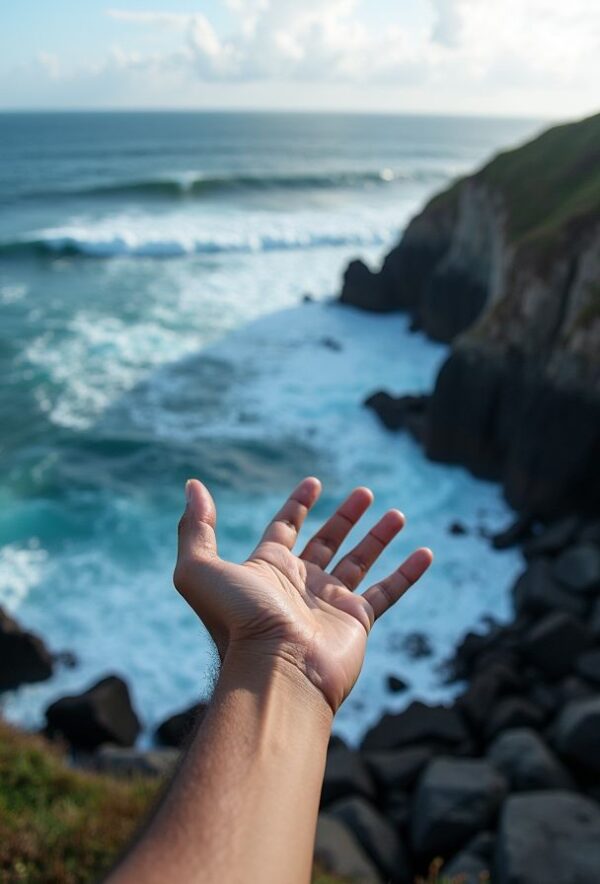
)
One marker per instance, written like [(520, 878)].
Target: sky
[(496, 57)]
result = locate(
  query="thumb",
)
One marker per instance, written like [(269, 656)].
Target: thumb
[(197, 525)]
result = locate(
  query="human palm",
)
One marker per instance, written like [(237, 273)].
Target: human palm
[(288, 605)]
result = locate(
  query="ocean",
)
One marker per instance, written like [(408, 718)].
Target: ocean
[(153, 326)]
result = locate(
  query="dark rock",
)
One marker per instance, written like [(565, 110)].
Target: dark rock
[(518, 531), (376, 836), (339, 852), (122, 762), (543, 695), (308, 299), (397, 810), (417, 645), (345, 774), (553, 538), (573, 688), (332, 344), (512, 712), (498, 414), (554, 643), (595, 621), (590, 532), (364, 289), (526, 762), (578, 568), (455, 799), (484, 692), (397, 770), (548, 837), (457, 529), (536, 592), (102, 714), (577, 732), (24, 655), (418, 724), (467, 868), (588, 665), (177, 729), (396, 685), (399, 412)]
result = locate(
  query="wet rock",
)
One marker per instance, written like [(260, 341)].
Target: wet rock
[(396, 685), (484, 692), (376, 836), (554, 643), (419, 725), (512, 712), (417, 645), (457, 529), (588, 665), (177, 729), (577, 732), (101, 714), (518, 531), (399, 412), (573, 688), (553, 538), (578, 568), (345, 774), (25, 658), (454, 800), (339, 852), (397, 770), (537, 591), (526, 761), (364, 289), (548, 837)]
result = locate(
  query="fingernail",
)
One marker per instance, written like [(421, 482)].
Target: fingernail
[(188, 491)]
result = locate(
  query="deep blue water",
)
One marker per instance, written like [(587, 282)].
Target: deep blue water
[(152, 268)]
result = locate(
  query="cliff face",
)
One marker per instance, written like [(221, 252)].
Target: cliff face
[(506, 265)]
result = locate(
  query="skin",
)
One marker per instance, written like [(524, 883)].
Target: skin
[(292, 638)]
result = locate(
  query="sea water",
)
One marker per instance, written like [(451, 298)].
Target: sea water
[(153, 327)]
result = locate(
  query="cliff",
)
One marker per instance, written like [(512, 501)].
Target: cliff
[(505, 264)]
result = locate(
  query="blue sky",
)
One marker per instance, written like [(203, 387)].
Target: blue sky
[(539, 58)]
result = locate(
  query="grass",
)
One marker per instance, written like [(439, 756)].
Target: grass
[(62, 826)]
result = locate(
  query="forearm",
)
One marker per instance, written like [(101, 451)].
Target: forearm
[(243, 805)]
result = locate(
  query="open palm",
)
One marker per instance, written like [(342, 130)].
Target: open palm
[(288, 605)]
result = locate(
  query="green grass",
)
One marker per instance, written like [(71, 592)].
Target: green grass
[(62, 826)]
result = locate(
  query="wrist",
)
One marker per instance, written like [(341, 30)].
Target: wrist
[(274, 671)]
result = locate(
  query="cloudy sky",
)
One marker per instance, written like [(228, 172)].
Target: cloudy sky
[(521, 57)]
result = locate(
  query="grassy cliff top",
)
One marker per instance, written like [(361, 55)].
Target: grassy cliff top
[(549, 181)]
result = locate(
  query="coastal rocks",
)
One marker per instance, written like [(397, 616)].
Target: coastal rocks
[(400, 412), (338, 851), (555, 642), (101, 714), (396, 685), (527, 762), (419, 724), (376, 836), (397, 770), (24, 655), (548, 836), (455, 799), (578, 568), (177, 729), (345, 775), (364, 289), (577, 732)]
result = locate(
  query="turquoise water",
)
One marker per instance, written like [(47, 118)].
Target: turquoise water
[(152, 268)]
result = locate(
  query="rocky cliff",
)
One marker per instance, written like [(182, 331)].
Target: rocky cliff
[(506, 265)]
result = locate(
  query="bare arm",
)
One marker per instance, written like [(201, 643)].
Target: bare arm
[(243, 805)]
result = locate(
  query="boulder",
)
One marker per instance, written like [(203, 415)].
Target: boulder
[(376, 836), (345, 774), (537, 591), (588, 665), (397, 770), (102, 714), (554, 643), (518, 531), (177, 729), (455, 799), (548, 837), (595, 621), (467, 868), (553, 538), (339, 852), (577, 732), (526, 761), (484, 692), (364, 289), (573, 688), (400, 412), (512, 712), (578, 568), (24, 655), (417, 724)]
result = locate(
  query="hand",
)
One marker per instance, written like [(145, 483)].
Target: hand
[(289, 607)]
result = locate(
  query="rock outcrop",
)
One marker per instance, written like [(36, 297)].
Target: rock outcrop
[(506, 265), (24, 655)]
